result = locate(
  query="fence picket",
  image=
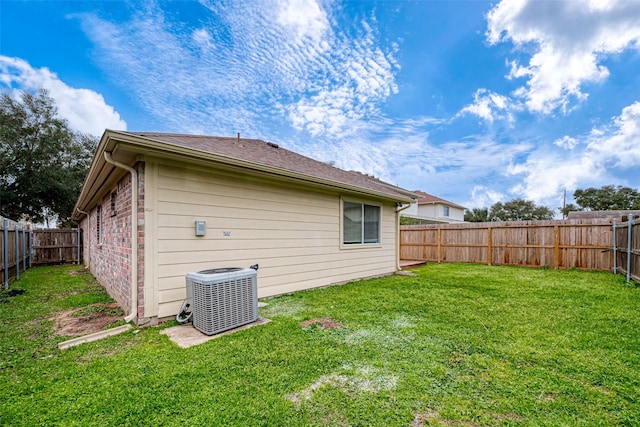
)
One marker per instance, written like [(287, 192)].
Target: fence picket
[(563, 244)]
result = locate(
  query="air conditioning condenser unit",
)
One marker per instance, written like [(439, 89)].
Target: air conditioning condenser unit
[(222, 298)]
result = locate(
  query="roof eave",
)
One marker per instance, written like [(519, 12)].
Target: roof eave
[(179, 151), (112, 141)]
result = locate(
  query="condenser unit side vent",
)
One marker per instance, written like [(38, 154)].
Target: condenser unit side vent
[(223, 300)]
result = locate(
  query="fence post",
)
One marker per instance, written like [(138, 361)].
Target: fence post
[(629, 249), (615, 248), (5, 245), (556, 247), (60, 250), (78, 231), (17, 253), (30, 238), (439, 244), (489, 246), (24, 248)]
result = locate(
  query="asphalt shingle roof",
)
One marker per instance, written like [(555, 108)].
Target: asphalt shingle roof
[(269, 154), (425, 198)]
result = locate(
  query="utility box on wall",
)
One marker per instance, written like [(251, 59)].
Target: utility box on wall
[(201, 227)]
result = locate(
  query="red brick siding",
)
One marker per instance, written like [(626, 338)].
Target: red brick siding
[(110, 260)]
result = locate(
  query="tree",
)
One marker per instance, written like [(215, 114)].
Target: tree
[(406, 220), (519, 210), (42, 161), (609, 197), (477, 215), (569, 208)]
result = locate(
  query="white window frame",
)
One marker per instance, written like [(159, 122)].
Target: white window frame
[(445, 211), (362, 243)]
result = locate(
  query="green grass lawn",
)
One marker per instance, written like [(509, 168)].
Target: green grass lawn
[(457, 345)]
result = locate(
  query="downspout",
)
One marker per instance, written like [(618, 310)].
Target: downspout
[(399, 209), (134, 235)]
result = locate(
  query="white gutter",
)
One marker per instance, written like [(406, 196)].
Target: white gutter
[(134, 235), (398, 210)]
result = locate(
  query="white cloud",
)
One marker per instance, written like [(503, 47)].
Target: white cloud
[(304, 19), (482, 196), (566, 142), (358, 76), (202, 37), (490, 106), (546, 173), (619, 144), (245, 63), (84, 109), (568, 39)]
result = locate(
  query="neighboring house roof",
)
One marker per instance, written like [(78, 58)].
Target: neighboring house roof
[(252, 155), (428, 199), (602, 214)]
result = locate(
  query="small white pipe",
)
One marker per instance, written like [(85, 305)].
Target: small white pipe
[(398, 210), (134, 235)]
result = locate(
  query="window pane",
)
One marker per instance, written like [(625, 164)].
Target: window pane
[(352, 223), (114, 199), (371, 224), (99, 224)]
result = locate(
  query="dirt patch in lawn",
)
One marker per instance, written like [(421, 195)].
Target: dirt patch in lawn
[(424, 418), (87, 320), (322, 322)]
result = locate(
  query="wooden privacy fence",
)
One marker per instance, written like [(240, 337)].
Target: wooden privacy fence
[(22, 247), (56, 246), (14, 252), (577, 243), (626, 248)]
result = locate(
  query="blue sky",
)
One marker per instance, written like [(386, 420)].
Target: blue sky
[(472, 101)]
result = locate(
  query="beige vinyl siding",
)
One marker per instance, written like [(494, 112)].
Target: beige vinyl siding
[(292, 232)]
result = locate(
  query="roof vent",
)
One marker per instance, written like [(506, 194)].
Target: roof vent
[(271, 144)]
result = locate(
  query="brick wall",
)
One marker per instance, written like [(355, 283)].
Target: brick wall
[(109, 254)]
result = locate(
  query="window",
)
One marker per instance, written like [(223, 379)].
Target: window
[(99, 224), (360, 223), (445, 210), (114, 205)]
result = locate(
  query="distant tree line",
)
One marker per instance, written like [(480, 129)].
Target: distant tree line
[(513, 210), (42, 161), (606, 198)]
